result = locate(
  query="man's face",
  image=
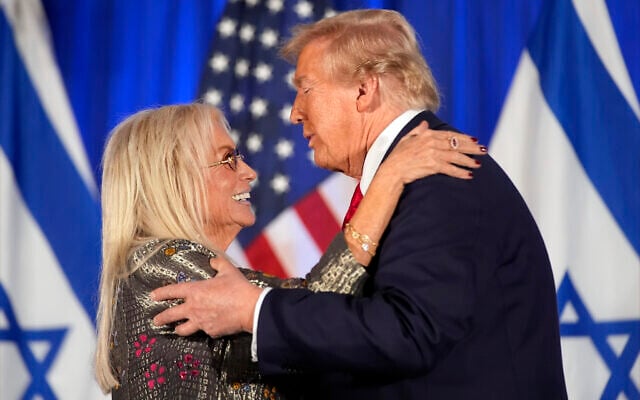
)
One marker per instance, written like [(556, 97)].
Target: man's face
[(328, 113)]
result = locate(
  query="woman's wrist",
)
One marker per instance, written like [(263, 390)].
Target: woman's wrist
[(362, 240), (389, 180)]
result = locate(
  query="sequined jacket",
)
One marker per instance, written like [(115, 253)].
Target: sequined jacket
[(154, 363)]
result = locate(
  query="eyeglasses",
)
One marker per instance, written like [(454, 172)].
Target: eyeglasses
[(231, 160)]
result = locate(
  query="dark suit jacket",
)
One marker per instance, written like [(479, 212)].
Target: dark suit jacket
[(461, 304)]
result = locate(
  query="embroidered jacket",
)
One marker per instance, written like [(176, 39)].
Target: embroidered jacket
[(154, 363)]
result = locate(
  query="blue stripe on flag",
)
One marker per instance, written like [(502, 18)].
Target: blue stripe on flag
[(599, 122), (48, 181)]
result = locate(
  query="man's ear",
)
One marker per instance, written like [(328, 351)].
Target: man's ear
[(368, 93)]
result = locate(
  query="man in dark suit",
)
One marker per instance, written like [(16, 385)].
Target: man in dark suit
[(460, 303)]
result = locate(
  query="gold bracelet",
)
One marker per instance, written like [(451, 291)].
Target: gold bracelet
[(365, 242)]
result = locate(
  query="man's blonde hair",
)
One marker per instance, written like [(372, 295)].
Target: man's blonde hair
[(371, 42), (153, 186)]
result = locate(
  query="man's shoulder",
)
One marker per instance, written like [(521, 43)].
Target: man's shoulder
[(432, 119), (435, 122)]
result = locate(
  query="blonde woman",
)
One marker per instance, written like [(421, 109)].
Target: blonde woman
[(175, 193)]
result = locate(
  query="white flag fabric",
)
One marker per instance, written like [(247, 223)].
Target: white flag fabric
[(570, 113), (49, 235)]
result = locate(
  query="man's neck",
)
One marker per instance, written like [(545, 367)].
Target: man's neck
[(380, 146), (373, 123), (376, 122)]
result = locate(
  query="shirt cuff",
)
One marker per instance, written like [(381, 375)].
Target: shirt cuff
[(256, 315)]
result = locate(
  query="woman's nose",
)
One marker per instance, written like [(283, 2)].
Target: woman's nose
[(246, 171)]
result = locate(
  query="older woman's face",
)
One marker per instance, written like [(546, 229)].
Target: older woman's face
[(228, 191)]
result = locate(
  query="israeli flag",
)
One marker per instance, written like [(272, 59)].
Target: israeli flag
[(49, 221), (569, 137)]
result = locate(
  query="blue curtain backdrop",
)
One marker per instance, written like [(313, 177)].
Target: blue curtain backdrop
[(119, 56)]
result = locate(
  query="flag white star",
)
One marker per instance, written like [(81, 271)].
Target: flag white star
[(235, 135), (252, 3), (254, 143), (219, 62), (247, 32), (280, 184), (284, 148), (275, 6), (213, 97), (262, 72), (258, 107), (285, 113), (310, 157), (236, 102), (304, 9), (269, 38), (330, 13), (289, 78), (242, 68), (227, 27)]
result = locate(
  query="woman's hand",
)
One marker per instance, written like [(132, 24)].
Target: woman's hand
[(421, 153), (424, 152)]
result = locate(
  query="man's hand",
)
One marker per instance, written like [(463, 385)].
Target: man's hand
[(219, 306)]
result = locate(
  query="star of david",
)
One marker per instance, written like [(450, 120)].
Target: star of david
[(22, 337), (620, 366)]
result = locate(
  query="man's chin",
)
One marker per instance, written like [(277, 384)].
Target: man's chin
[(324, 164)]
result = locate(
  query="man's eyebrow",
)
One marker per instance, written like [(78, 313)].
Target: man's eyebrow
[(299, 80)]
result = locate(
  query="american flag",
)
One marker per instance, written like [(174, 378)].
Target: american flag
[(298, 205)]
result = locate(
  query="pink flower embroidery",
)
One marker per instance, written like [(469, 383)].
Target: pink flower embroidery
[(155, 376), (188, 366), (142, 345)]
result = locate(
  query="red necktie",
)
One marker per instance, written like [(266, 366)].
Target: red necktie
[(353, 206)]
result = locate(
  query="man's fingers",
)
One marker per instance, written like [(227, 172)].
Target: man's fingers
[(170, 292), (175, 314), (172, 314), (186, 328), (220, 264)]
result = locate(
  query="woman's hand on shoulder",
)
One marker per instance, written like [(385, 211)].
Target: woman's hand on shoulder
[(424, 152)]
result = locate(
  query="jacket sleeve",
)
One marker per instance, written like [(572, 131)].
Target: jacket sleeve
[(337, 271)]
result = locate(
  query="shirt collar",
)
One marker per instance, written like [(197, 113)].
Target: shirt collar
[(381, 145)]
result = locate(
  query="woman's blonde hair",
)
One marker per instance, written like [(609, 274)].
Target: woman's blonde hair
[(153, 186), (372, 42)]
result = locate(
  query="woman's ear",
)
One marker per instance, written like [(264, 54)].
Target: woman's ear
[(368, 93)]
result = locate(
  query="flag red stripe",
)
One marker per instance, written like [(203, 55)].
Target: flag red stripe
[(318, 219), (262, 258)]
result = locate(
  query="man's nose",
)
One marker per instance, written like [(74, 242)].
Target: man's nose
[(295, 117)]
